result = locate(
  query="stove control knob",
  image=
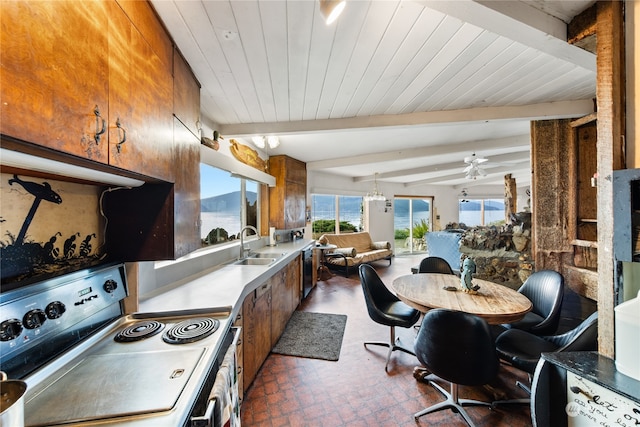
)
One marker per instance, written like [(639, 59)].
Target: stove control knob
[(10, 329), (34, 318), (55, 309), (110, 286)]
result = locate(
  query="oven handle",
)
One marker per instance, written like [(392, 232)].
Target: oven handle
[(205, 420)]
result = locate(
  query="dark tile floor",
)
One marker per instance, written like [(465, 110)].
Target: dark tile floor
[(355, 390)]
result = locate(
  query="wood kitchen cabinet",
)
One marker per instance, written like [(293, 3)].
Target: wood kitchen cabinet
[(55, 75), (257, 331), (285, 297), (287, 200), (265, 313), (186, 94), (140, 91), (81, 78)]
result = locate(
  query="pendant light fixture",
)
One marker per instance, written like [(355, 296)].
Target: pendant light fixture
[(375, 194), (331, 9)]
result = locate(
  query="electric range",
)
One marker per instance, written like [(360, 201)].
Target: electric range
[(86, 363)]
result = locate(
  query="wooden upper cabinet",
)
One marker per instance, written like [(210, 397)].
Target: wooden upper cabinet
[(186, 191), (287, 200), (79, 77), (54, 75), (186, 95), (140, 94)]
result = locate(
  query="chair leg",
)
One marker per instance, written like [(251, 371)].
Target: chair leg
[(453, 403), (522, 401), (392, 347)]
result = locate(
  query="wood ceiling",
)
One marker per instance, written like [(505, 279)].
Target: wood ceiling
[(404, 89)]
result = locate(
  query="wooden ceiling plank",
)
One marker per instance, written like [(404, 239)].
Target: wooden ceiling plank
[(537, 31), (412, 45)]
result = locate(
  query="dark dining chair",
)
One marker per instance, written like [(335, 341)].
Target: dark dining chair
[(386, 309), (523, 349), (545, 290), (457, 347), (434, 264)]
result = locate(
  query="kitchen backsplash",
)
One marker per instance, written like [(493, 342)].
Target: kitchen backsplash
[(48, 228)]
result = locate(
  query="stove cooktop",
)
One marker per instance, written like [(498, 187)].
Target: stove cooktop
[(131, 381)]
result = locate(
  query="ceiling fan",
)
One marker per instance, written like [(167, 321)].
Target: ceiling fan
[(473, 170)]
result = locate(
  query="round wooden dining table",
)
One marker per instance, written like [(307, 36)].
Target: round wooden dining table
[(493, 302)]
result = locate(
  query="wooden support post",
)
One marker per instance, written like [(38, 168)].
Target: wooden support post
[(610, 103), (510, 197)]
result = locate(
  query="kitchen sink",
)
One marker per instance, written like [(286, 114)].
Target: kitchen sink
[(255, 261), (273, 255)]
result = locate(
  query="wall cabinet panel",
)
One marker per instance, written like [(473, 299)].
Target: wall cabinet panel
[(287, 200), (87, 81), (55, 75)]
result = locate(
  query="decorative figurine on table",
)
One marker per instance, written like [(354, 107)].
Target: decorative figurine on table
[(468, 268)]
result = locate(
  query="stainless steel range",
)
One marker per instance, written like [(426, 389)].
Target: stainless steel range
[(86, 363)]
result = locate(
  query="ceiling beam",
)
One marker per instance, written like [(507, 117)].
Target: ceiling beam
[(544, 111), (519, 22), (514, 144)]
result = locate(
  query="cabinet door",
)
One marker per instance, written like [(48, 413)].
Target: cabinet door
[(257, 324), (141, 119), (186, 95), (295, 205), (280, 305), (186, 190), (55, 75)]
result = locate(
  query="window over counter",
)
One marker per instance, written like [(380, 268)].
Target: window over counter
[(227, 203)]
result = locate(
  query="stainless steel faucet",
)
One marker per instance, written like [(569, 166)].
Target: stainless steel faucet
[(245, 251)]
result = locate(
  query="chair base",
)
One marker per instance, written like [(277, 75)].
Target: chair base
[(453, 403), (522, 401), (392, 345)]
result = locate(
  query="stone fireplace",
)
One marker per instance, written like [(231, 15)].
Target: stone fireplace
[(502, 253)]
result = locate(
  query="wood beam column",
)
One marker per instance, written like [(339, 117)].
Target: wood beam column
[(610, 104)]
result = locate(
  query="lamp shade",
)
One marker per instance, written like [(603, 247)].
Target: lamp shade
[(331, 9)]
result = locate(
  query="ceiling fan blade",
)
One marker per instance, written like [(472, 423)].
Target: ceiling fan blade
[(481, 160)]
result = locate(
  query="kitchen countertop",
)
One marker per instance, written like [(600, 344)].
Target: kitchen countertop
[(222, 285)]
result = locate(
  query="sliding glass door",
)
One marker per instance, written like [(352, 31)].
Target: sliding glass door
[(412, 219)]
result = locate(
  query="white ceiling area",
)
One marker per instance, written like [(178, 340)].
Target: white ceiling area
[(401, 89)]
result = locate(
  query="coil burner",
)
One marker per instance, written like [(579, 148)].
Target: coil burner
[(139, 331), (191, 330)]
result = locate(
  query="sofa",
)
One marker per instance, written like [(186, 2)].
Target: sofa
[(354, 249)]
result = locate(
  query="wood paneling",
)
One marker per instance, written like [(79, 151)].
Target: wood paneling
[(611, 128), (54, 74), (186, 95), (287, 200)]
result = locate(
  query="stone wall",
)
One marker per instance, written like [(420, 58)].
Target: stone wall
[(502, 253)]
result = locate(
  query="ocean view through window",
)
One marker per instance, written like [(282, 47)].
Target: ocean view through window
[(474, 212), (227, 204)]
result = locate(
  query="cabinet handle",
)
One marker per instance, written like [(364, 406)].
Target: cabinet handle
[(99, 130), (124, 135)]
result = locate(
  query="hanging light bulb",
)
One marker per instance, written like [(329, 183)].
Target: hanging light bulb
[(375, 194), (273, 141), (331, 9), (258, 141)]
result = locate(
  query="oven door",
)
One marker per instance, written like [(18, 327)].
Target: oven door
[(223, 402)]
